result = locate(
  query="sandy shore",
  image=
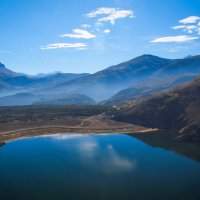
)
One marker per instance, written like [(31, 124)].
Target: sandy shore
[(88, 125)]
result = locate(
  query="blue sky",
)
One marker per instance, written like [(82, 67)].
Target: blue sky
[(89, 35)]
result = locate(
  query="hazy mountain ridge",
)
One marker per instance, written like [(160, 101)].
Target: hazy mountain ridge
[(16, 82), (185, 65), (178, 72), (24, 98), (19, 99), (68, 99), (105, 83), (142, 76)]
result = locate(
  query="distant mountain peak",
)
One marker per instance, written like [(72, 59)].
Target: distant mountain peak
[(149, 56), (2, 65), (6, 72)]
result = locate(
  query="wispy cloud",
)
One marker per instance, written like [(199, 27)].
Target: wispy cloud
[(189, 24), (85, 26), (89, 31), (180, 38), (79, 33), (64, 45), (189, 20), (106, 31), (178, 27), (190, 28), (110, 14)]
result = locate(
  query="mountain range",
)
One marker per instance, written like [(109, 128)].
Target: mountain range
[(176, 72), (103, 84), (139, 77), (12, 82)]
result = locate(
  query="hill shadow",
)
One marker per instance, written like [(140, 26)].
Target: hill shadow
[(164, 139)]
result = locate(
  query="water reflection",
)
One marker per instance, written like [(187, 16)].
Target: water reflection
[(164, 139), (89, 148), (100, 167)]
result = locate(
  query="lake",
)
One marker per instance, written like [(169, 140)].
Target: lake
[(95, 167)]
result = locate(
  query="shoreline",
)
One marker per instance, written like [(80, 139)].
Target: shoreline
[(10, 136)]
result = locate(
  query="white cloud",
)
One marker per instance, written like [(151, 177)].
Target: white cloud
[(64, 45), (190, 28), (179, 27), (187, 28), (180, 38), (110, 14), (85, 26), (190, 20), (189, 25), (82, 48), (79, 33), (106, 31), (101, 11), (116, 15)]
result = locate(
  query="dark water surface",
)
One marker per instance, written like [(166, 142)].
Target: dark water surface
[(93, 167)]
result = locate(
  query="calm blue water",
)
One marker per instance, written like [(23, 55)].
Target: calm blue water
[(93, 167)]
